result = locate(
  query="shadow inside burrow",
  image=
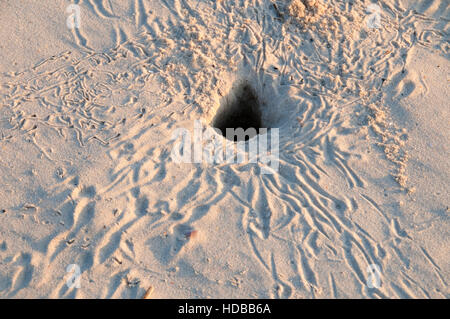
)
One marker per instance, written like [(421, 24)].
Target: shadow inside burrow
[(240, 109)]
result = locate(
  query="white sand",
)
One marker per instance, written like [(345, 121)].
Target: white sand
[(87, 115)]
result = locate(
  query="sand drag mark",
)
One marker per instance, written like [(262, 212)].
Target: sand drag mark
[(115, 203)]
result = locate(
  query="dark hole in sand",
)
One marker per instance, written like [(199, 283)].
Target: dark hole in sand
[(239, 110)]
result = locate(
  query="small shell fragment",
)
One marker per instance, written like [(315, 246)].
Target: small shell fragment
[(148, 293), (191, 234)]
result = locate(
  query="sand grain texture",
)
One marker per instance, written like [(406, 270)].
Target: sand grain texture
[(86, 120)]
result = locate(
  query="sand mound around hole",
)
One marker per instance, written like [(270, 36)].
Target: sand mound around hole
[(307, 11)]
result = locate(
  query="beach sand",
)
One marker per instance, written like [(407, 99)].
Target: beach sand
[(358, 206)]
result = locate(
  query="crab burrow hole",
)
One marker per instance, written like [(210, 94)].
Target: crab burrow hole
[(241, 108)]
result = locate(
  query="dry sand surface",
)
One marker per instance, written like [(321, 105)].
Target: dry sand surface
[(357, 208)]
